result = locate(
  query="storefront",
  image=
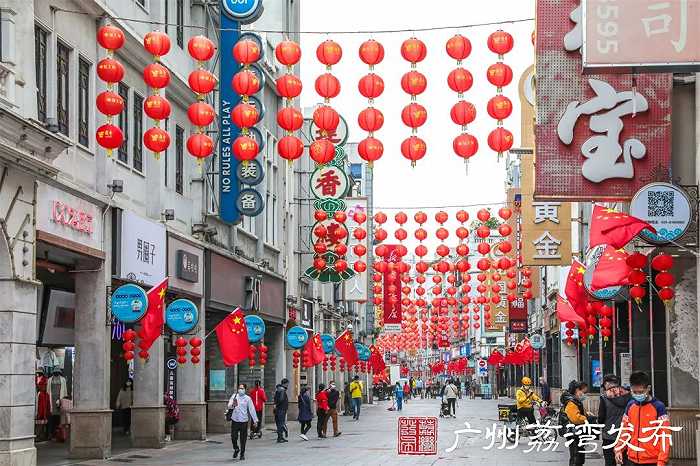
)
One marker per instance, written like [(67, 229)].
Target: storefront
[(232, 284)]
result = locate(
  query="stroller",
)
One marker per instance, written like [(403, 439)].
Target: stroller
[(444, 409)]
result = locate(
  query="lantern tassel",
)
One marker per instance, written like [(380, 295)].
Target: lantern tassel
[(156, 155)]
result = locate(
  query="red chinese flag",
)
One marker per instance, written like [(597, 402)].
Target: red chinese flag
[(608, 226), (346, 347), (376, 361), (496, 358), (152, 322), (566, 313), (315, 349), (611, 270), (574, 290), (232, 334)]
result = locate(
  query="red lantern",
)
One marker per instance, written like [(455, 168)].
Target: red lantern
[(200, 145), (201, 114), (245, 148), (245, 82), (290, 119), (413, 50), (465, 145), (370, 119), (110, 37), (327, 86), (156, 139), (414, 115), (109, 136), (460, 80), (156, 43), (500, 42), (458, 47), (505, 229), (463, 113), (340, 265), (413, 148), (666, 294), (499, 107), (246, 52), (110, 70), (290, 148), (500, 140), (288, 53), (371, 86), (326, 119), (636, 260), (244, 115), (359, 266), (329, 52), (289, 86), (156, 107), (322, 151), (371, 52), (370, 149), (664, 279), (499, 74), (505, 213), (156, 76), (483, 264), (109, 103), (662, 262), (413, 82), (637, 293), (202, 81), (201, 48)]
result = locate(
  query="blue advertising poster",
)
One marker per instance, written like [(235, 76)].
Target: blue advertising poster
[(217, 380), (362, 351), (328, 343), (129, 303), (297, 337), (181, 315), (256, 328), (596, 373)]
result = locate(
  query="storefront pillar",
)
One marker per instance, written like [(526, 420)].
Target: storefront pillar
[(190, 396), (148, 411), (91, 417)]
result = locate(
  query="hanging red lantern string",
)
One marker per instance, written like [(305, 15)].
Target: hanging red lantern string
[(290, 147), (605, 321), (245, 83), (371, 86), (201, 114), (500, 107), (156, 107), (637, 277), (359, 234), (325, 118), (664, 280), (109, 103), (413, 115), (460, 81)]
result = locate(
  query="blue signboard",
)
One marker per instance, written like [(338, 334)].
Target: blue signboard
[(328, 343), (129, 303), (243, 11), (181, 315), (297, 337), (362, 351), (256, 328)]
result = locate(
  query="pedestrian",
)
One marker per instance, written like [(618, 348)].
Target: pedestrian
[(398, 394), (333, 399), (419, 386), (281, 401), (545, 391), (413, 388), (259, 398), (305, 414), (242, 411), (172, 415), (574, 413), (451, 393), (66, 405), (356, 395), (406, 392), (347, 401), (611, 408), (125, 399), (645, 417), (475, 388), (524, 397), (321, 410)]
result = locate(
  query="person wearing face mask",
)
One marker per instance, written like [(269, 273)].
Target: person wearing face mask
[(281, 401), (243, 410), (333, 398), (574, 413), (611, 408), (259, 399), (644, 416), (524, 397), (305, 414), (321, 411), (125, 398)]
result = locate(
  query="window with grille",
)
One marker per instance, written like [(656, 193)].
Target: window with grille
[(138, 133), (40, 44), (62, 87), (179, 158), (83, 102), (180, 23), (123, 153)]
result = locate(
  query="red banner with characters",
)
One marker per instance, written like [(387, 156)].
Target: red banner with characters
[(392, 291), (517, 316), (599, 136)]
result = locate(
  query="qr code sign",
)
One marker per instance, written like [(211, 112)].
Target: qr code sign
[(660, 203), (417, 435)]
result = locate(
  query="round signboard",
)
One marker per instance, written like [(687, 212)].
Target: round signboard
[(171, 364), (181, 315), (328, 343), (129, 303), (592, 257), (255, 133), (297, 337), (255, 68), (537, 341), (250, 174), (664, 206), (244, 11), (256, 328), (362, 351), (338, 138), (328, 181), (250, 202)]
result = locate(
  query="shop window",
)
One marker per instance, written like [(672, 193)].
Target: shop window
[(179, 158), (138, 133), (62, 87), (83, 102), (555, 372), (180, 33), (123, 152), (40, 50)]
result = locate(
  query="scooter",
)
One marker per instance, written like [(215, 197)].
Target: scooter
[(518, 427)]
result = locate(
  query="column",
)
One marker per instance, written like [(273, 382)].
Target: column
[(190, 392), (17, 345), (148, 411), (91, 417)]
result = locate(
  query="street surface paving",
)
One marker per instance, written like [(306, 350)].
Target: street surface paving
[(370, 441)]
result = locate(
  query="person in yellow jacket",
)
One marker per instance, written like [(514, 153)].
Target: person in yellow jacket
[(356, 394), (524, 397)]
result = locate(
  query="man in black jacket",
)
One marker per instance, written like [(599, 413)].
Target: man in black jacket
[(281, 401), (613, 401), (333, 398)]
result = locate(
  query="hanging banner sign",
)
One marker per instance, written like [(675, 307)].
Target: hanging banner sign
[(328, 343), (297, 337), (129, 303), (256, 328), (363, 352), (392, 301), (664, 206), (181, 316), (641, 36)]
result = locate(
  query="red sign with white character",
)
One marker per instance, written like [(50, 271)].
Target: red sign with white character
[(598, 136), (392, 292), (417, 436), (73, 218)]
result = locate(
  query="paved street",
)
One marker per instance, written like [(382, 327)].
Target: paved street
[(371, 441)]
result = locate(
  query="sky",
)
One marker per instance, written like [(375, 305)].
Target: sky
[(440, 178)]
